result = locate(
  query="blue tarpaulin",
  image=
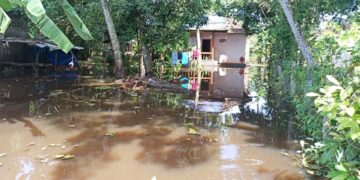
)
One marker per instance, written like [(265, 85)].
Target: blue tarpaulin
[(49, 55)]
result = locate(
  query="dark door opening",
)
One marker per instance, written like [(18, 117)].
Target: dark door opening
[(206, 45)]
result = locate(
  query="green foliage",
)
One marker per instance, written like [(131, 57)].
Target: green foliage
[(76, 21), (36, 13), (166, 70), (4, 21), (159, 26), (341, 108)]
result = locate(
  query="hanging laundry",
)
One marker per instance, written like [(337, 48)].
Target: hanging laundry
[(174, 57), (195, 54), (179, 55), (194, 85), (185, 58)]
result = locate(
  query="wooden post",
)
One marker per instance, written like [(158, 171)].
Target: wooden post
[(198, 69), (212, 46)]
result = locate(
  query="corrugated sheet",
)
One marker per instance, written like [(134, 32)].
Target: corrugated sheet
[(218, 23)]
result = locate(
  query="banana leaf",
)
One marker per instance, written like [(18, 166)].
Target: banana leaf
[(36, 13), (5, 5), (76, 21), (4, 21)]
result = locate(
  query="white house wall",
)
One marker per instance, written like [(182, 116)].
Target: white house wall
[(233, 48)]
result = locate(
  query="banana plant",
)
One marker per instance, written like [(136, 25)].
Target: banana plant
[(36, 13)]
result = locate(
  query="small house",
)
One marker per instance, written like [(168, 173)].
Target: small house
[(17, 48), (223, 41)]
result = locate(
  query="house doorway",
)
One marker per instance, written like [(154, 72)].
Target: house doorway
[(206, 45)]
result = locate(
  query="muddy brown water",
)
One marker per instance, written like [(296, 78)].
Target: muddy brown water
[(105, 133)]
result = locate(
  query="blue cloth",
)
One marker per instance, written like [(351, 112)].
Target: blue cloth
[(184, 79), (174, 57), (59, 58), (184, 85), (185, 58)]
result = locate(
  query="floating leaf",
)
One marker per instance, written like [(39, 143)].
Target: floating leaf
[(192, 131), (64, 157), (59, 156), (312, 94), (332, 80), (68, 156), (111, 134)]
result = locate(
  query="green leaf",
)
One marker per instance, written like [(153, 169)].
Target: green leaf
[(357, 70), (312, 94), (345, 122), (340, 167), (4, 21), (36, 12), (344, 93), (337, 175), (5, 5), (332, 80), (354, 132), (350, 111), (76, 21)]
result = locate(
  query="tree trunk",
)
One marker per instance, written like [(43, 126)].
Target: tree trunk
[(118, 70), (295, 30), (142, 59), (147, 60)]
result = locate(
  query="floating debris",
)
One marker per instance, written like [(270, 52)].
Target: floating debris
[(192, 131), (44, 148), (1, 164), (43, 158), (59, 156), (72, 125), (2, 154), (26, 149), (32, 143), (111, 134), (246, 126), (64, 157)]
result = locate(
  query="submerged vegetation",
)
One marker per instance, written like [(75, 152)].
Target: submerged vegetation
[(331, 30)]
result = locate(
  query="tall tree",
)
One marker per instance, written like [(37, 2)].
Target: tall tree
[(118, 70), (299, 38)]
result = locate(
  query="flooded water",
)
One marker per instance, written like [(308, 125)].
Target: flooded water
[(73, 127)]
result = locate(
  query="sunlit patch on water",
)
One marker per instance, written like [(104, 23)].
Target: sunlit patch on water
[(26, 169)]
